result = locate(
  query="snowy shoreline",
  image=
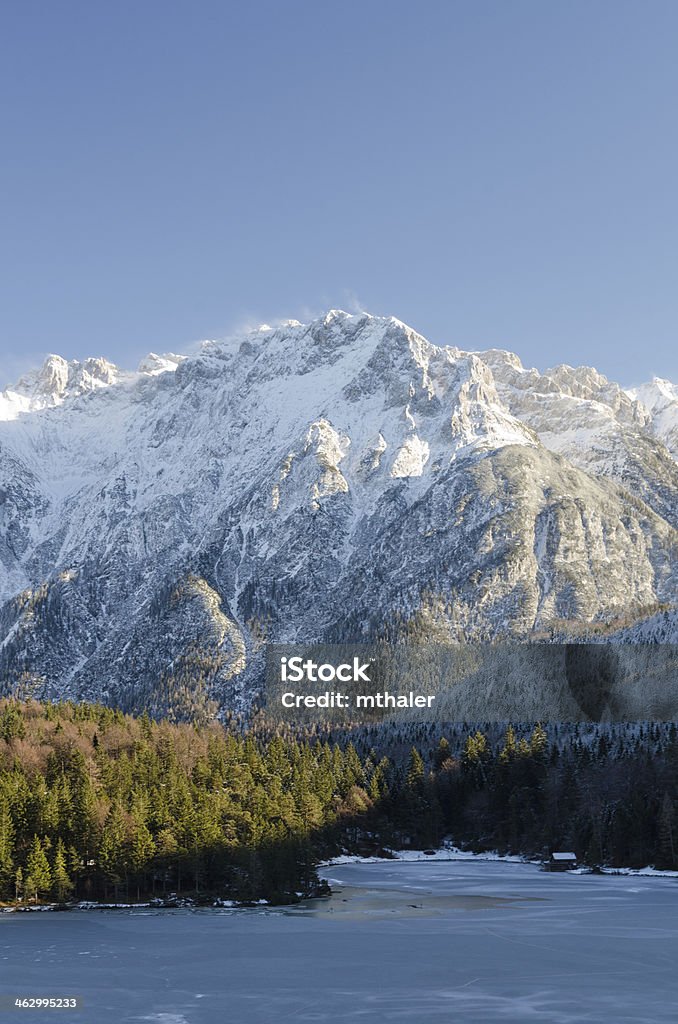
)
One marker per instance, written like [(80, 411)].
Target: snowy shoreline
[(453, 853), (448, 854), (179, 904)]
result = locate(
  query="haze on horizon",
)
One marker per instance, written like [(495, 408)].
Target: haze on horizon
[(494, 175)]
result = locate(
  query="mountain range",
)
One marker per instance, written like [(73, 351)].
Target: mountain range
[(340, 480)]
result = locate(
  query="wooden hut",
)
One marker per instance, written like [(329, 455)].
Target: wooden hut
[(562, 861)]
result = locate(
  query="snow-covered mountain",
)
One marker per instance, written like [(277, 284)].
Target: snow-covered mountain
[(344, 479), (660, 397)]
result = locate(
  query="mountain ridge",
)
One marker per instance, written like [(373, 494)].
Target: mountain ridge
[(341, 479)]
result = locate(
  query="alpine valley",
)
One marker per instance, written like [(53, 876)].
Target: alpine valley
[(341, 480)]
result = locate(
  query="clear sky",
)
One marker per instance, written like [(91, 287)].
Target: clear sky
[(494, 172)]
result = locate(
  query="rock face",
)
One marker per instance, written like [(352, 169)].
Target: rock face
[(341, 480)]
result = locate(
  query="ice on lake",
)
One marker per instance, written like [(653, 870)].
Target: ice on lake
[(441, 941)]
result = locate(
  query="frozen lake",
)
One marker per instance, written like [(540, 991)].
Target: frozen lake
[(455, 941)]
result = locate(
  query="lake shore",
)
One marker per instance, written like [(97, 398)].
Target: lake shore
[(472, 940), (444, 854)]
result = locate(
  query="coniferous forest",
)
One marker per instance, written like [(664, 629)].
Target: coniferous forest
[(97, 805)]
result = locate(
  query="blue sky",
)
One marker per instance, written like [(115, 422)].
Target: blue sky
[(494, 173)]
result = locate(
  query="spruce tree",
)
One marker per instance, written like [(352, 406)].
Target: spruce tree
[(6, 850), (415, 769), (62, 886), (443, 753), (667, 834), (38, 873)]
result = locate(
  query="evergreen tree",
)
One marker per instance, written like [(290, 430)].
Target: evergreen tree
[(443, 753), (112, 847), (11, 722), (510, 748), (538, 741), (106, 798), (667, 834), (6, 850), (415, 769), (62, 886), (38, 874)]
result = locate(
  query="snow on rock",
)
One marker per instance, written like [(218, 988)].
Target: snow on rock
[(153, 364), (329, 480), (411, 458), (660, 397), (595, 424), (55, 381)]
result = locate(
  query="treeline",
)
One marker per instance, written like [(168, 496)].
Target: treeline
[(611, 797), (607, 792), (95, 804), (98, 805)]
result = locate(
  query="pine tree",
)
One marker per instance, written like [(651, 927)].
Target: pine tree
[(6, 850), (11, 722), (62, 886), (538, 741), (475, 748), (38, 873), (443, 753), (112, 847), (510, 748), (667, 833), (142, 849), (475, 759), (415, 769)]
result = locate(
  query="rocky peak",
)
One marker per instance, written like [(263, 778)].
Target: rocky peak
[(153, 364), (334, 479), (58, 379), (660, 398)]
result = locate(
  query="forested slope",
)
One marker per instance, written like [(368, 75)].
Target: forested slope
[(98, 805)]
